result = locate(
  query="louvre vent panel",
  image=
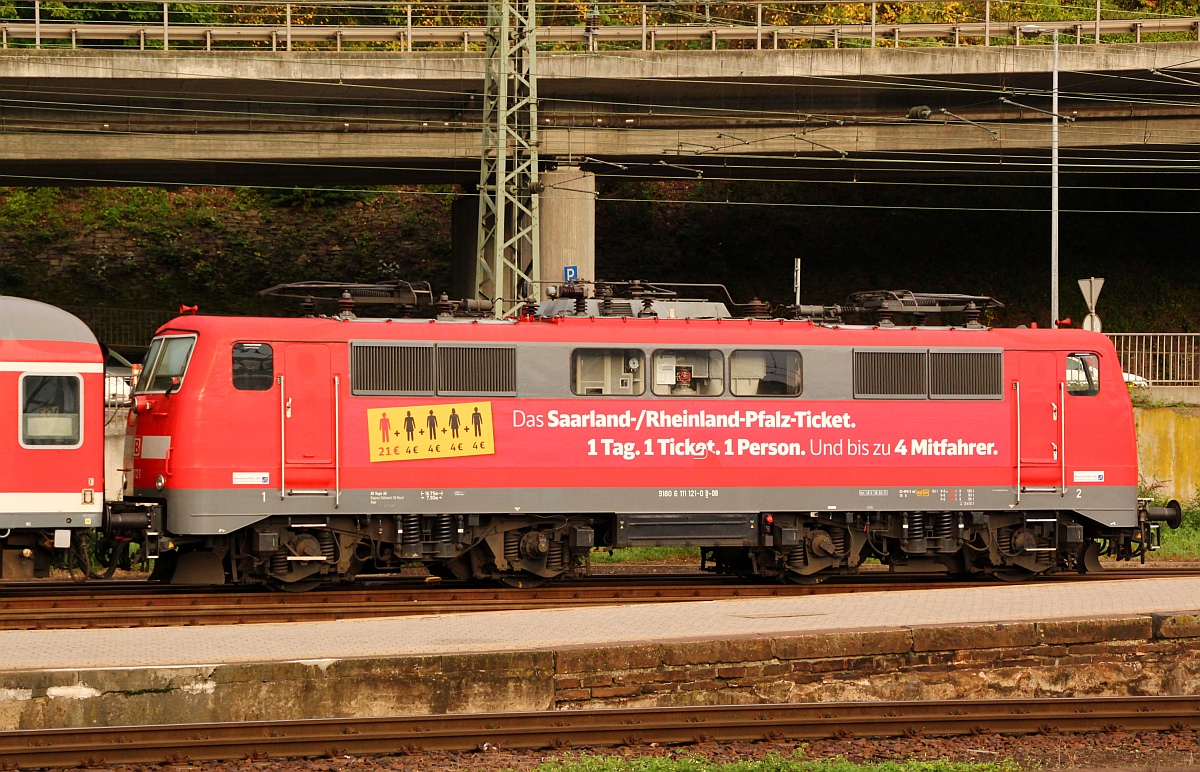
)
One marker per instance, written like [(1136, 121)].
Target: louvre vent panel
[(385, 369), (477, 371), (896, 374), (966, 375)]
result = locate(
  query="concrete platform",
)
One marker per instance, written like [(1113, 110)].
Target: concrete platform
[(1093, 638)]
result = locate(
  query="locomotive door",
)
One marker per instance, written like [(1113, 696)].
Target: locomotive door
[(1039, 416), (307, 415)]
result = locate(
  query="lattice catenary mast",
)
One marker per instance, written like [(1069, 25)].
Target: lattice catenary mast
[(508, 243)]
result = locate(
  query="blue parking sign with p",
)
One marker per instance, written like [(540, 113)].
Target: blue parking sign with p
[(570, 272)]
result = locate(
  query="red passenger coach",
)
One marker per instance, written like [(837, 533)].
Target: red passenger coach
[(294, 451), (51, 433)]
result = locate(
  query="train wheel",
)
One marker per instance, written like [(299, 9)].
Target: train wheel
[(791, 577), (523, 580), (1014, 575), (304, 585)]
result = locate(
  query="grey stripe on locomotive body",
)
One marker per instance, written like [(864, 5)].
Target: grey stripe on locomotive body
[(827, 371), (214, 512), (542, 375), (20, 521)]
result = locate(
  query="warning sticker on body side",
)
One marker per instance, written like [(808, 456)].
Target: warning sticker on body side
[(411, 432), (1088, 476)]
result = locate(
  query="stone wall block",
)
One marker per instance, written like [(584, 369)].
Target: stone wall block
[(616, 691), (819, 645), (1176, 625), (726, 651), (957, 638), (1096, 630), (607, 658)]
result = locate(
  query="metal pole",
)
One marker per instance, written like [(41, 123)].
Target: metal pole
[(1097, 22), (288, 24), (37, 23), (1054, 192), (873, 25), (408, 34), (643, 26), (166, 28), (758, 26), (987, 23)]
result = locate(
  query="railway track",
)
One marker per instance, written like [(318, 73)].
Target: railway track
[(97, 747), (39, 606)]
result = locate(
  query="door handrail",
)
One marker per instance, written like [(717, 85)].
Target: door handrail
[(337, 442), (282, 442), (1017, 389)]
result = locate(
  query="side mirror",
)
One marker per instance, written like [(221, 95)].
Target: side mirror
[(173, 387)]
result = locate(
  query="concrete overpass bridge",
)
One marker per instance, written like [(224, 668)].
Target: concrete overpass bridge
[(72, 117), (86, 116)]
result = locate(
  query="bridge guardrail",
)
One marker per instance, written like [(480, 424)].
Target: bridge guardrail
[(1162, 358), (409, 26)]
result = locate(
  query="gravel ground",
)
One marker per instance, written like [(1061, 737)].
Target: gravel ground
[(1158, 751)]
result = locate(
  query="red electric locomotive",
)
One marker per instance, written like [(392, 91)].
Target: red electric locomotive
[(297, 451), (51, 433)]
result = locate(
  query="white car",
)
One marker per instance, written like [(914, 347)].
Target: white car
[(1136, 381)]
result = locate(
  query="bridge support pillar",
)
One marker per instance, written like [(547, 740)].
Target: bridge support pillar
[(464, 233), (568, 215)]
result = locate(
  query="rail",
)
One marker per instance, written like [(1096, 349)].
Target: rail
[(178, 744), (1161, 358), (397, 26)]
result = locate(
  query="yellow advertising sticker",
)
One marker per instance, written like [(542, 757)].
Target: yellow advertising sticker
[(410, 432)]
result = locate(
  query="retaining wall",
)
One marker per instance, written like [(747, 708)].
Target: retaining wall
[(1134, 655), (1169, 450)]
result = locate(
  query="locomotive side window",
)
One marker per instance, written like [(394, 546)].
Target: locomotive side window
[(608, 372), (51, 414), (253, 366), (755, 373), (1083, 375), (688, 373), (166, 361)]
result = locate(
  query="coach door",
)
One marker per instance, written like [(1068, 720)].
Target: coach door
[(307, 407), (1039, 422)]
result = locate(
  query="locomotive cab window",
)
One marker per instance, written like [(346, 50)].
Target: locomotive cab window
[(761, 373), (253, 366), (166, 361), (688, 373), (1083, 375), (608, 372), (51, 412)]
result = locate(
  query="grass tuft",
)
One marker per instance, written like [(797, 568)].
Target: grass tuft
[(648, 555)]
